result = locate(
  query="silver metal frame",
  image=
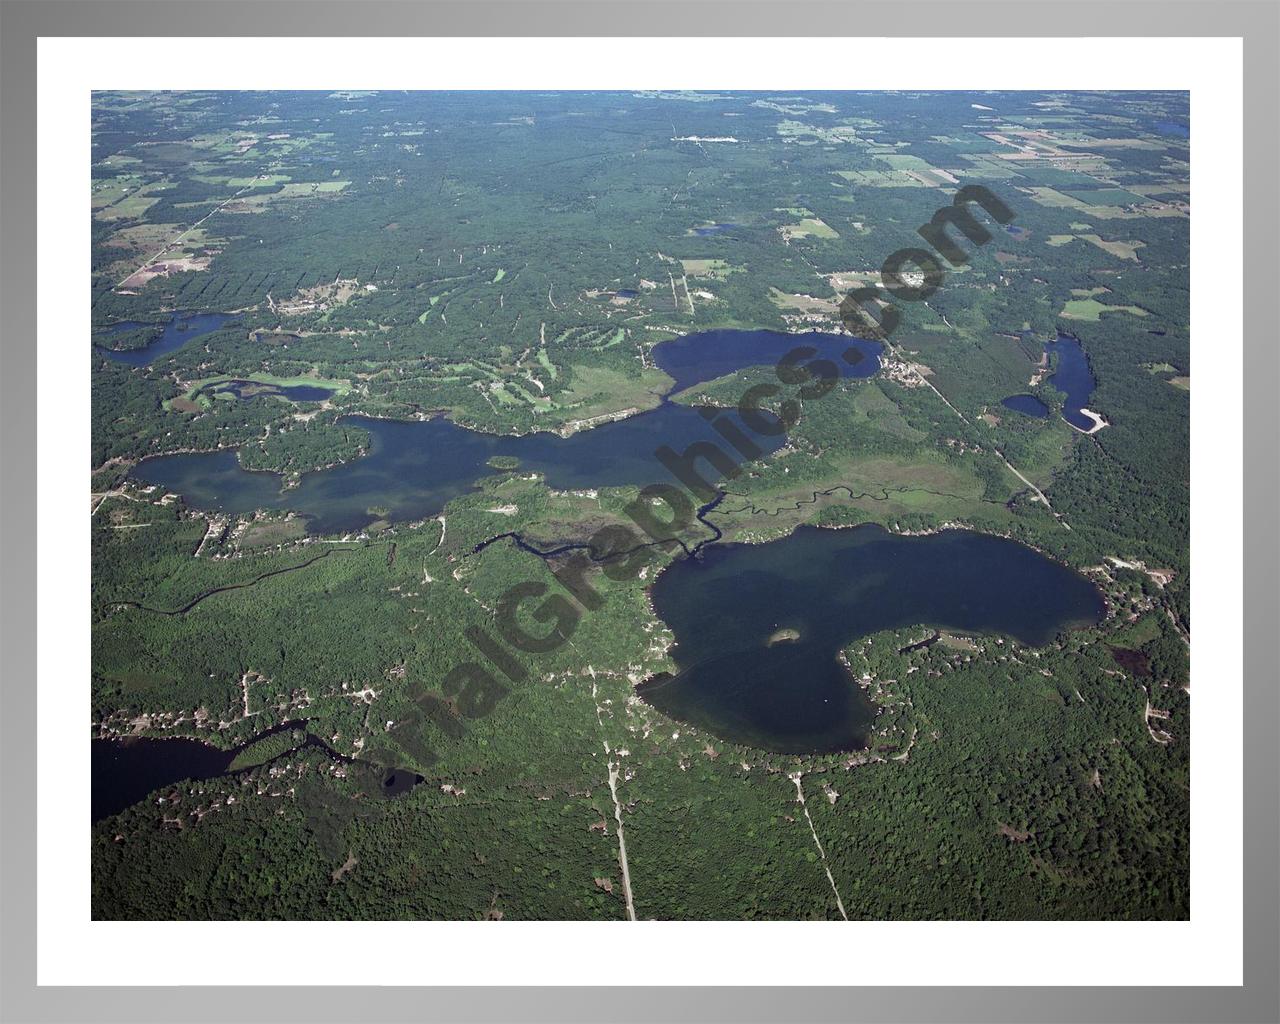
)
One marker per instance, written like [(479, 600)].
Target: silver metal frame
[(21, 23)]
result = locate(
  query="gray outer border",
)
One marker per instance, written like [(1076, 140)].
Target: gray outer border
[(1258, 22)]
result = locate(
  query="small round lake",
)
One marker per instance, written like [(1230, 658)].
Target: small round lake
[(759, 628)]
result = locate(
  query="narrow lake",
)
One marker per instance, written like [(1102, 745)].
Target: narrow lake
[(125, 771), (826, 588), (1074, 378), (181, 330), (414, 468)]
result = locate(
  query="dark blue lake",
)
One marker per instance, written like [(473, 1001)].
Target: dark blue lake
[(1028, 405), (179, 331), (125, 771), (1177, 128), (414, 468), (698, 358), (832, 587), (1074, 378)]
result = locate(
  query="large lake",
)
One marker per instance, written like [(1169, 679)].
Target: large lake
[(414, 468), (831, 587)]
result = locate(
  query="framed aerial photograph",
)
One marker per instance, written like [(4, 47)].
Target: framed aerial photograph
[(539, 515), (656, 504)]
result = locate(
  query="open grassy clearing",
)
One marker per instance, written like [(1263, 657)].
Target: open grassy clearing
[(600, 390), (1056, 200), (1106, 197), (257, 202), (1127, 250), (195, 388), (880, 489), (714, 269), (882, 179), (545, 362), (1092, 310), (803, 303), (809, 227)]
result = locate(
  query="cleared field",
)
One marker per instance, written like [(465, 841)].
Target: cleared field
[(882, 489), (803, 303), (545, 362), (1056, 200), (983, 166), (235, 181), (1093, 310), (498, 390), (130, 204), (106, 191), (882, 179), (809, 227), (597, 391), (1125, 250), (1106, 197), (338, 387), (288, 192), (268, 534), (715, 269)]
